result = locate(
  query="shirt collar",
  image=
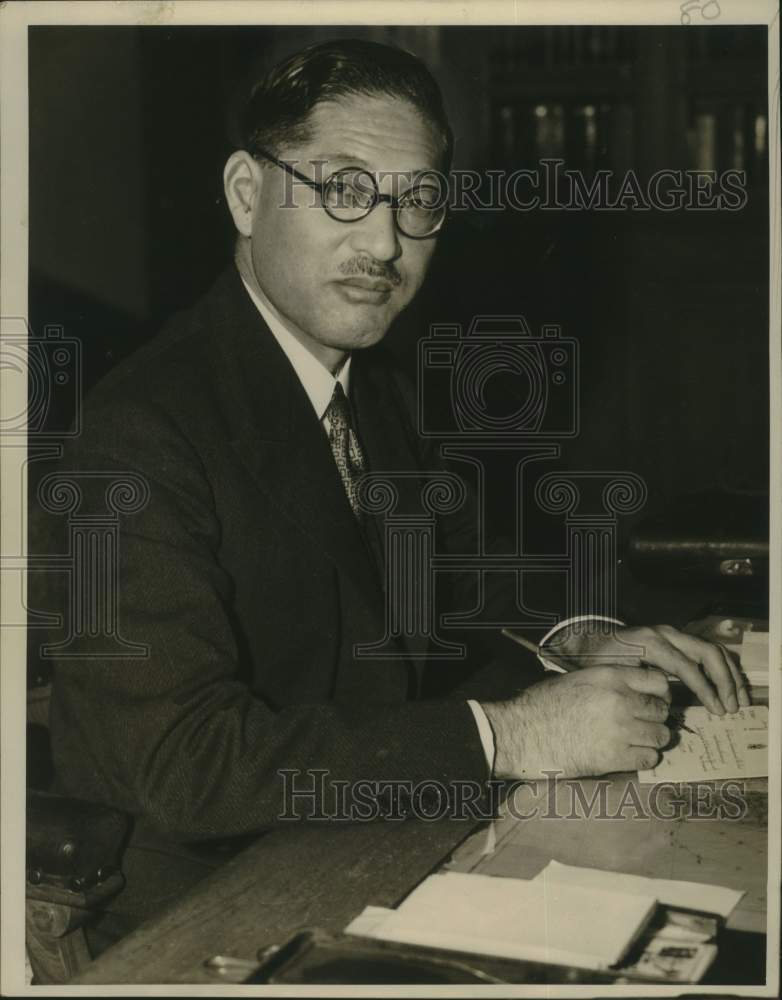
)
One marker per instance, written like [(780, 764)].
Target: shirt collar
[(317, 380)]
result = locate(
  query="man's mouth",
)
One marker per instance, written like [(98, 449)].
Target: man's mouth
[(362, 288), (370, 284)]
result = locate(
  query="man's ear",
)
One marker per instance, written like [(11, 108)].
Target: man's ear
[(242, 178)]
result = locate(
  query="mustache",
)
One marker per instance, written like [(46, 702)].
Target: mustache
[(354, 267)]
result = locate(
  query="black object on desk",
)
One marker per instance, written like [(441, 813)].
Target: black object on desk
[(314, 957), (713, 538)]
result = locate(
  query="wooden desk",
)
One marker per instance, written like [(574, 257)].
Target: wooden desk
[(729, 852), (323, 876), (300, 876)]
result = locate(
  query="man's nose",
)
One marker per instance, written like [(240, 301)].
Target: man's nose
[(376, 234)]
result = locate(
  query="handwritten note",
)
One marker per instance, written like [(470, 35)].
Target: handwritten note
[(709, 11), (712, 747)]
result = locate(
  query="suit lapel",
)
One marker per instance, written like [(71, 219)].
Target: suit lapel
[(279, 439)]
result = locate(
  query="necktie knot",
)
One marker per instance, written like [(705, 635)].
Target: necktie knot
[(338, 410)]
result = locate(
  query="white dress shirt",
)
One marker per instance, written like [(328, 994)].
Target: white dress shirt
[(317, 380)]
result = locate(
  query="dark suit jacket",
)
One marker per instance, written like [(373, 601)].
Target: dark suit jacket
[(248, 579)]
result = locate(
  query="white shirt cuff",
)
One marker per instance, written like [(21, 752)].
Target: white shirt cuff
[(485, 731), (486, 734), (549, 664)]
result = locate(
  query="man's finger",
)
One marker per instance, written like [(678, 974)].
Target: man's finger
[(642, 758), (650, 734), (738, 677), (715, 665), (661, 653), (689, 671), (646, 680), (649, 707)]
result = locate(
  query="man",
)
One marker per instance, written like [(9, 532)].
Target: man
[(253, 572)]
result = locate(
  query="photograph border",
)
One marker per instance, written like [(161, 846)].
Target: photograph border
[(15, 17)]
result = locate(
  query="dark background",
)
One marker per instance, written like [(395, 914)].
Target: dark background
[(130, 127)]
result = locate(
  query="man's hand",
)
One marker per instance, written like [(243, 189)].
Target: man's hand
[(705, 667), (594, 721)]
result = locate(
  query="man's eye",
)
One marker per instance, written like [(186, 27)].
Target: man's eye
[(424, 198), (344, 194), (347, 193)]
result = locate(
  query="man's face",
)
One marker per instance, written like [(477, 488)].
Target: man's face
[(342, 284)]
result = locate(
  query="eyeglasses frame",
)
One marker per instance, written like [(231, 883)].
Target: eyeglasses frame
[(379, 197)]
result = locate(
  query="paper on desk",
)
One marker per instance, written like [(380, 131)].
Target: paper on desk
[(720, 747), (368, 921), (682, 895), (753, 654), (514, 918)]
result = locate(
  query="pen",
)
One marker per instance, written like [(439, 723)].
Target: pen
[(533, 647), (536, 649), (677, 718)]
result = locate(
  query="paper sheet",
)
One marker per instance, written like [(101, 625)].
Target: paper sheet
[(714, 899), (514, 918), (368, 921), (718, 748), (753, 654)]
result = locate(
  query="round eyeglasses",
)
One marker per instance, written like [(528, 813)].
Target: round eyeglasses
[(350, 194)]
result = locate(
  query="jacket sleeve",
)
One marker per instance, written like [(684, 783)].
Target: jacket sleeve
[(176, 735)]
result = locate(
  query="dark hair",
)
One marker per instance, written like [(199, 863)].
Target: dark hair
[(280, 104)]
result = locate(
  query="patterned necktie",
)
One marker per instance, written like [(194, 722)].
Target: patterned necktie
[(345, 447)]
